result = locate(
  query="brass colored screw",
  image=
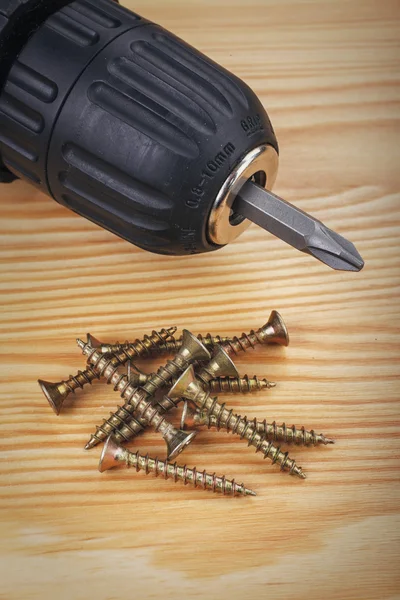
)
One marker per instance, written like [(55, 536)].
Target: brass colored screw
[(208, 340), (218, 385), (139, 400), (239, 385), (194, 417), (56, 393), (114, 454), (273, 332), (188, 387)]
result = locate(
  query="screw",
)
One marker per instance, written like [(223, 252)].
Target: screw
[(194, 417), (273, 332), (208, 340), (188, 387), (217, 385), (56, 393), (239, 385), (139, 399), (114, 454)]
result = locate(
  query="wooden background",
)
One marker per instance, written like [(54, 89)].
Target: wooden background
[(328, 74)]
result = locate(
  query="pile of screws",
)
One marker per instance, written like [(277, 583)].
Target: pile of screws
[(194, 375)]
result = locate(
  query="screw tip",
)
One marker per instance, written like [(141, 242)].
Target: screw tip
[(91, 443), (250, 492), (328, 441), (80, 343), (302, 475)]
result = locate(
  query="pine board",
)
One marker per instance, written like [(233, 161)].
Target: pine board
[(328, 73)]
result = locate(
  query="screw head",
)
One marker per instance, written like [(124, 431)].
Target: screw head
[(178, 443), (193, 348), (222, 365), (53, 394), (109, 454), (186, 386), (275, 331), (92, 341)]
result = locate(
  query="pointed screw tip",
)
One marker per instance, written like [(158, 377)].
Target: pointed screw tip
[(80, 343), (250, 492), (91, 444)]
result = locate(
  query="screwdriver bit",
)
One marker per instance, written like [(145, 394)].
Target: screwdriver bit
[(297, 228)]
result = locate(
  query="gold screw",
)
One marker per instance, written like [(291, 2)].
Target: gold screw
[(217, 385), (208, 340), (239, 385), (188, 387), (273, 332), (194, 417), (139, 400), (56, 393), (114, 454)]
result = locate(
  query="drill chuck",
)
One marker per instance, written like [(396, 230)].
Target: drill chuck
[(132, 128), (125, 124)]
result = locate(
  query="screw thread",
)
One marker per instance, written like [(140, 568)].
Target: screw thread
[(136, 399), (273, 431), (166, 373), (242, 343), (290, 435), (169, 346), (134, 425), (77, 381), (219, 385), (246, 429), (82, 378), (146, 347), (183, 473), (239, 385)]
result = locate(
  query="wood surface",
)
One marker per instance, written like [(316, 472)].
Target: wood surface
[(328, 73)]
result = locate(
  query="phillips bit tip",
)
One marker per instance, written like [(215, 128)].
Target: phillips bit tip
[(297, 228)]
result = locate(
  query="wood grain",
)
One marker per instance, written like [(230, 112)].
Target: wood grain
[(328, 73)]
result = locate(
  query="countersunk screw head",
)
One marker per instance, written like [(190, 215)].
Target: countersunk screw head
[(192, 347), (221, 365), (92, 341), (188, 416), (179, 442), (54, 393), (109, 454), (274, 331), (185, 386)]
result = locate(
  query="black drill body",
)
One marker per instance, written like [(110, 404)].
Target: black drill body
[(121, 121)]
